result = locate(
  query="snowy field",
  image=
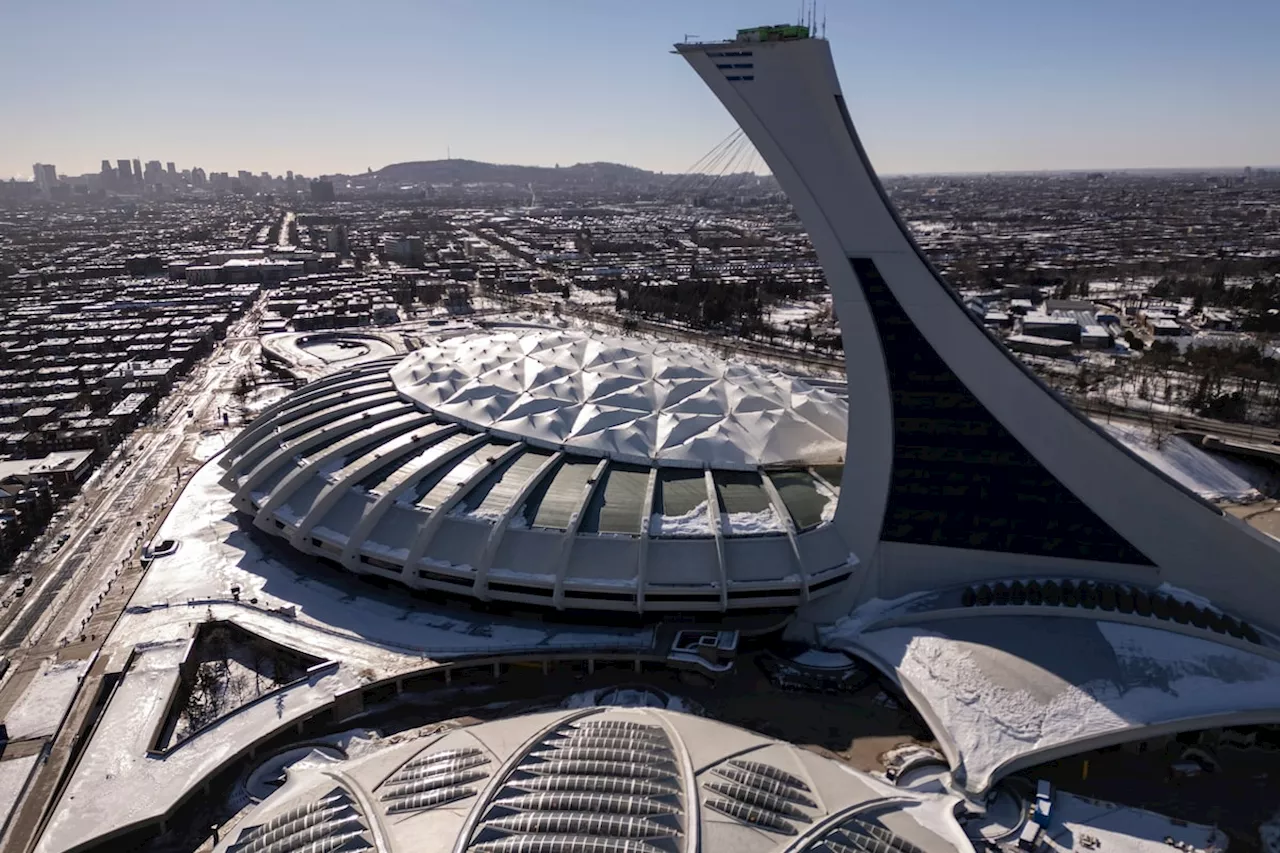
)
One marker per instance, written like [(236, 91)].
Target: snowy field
[(334, 351), (603, 297), (265, 396), (798, 312), (46, 699), (211, 443), (1209, 475), (317, 353)]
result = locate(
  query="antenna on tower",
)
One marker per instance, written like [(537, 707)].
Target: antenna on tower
[(824, 21)]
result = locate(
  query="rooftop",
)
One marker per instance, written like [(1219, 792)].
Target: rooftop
[(611, 780), (628, 400)]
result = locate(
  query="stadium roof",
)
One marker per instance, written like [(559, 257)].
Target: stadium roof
[(598, 780), (557, 469), (632, 400)]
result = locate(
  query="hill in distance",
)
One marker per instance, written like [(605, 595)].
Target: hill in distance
[(474, 172)]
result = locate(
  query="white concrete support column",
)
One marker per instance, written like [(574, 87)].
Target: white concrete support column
[(295, 479), (430, 431), (646, 518), (571, 532), (717, 528), (321, 420), (374, 514), (428, 529), (481, 586), (789, 525)]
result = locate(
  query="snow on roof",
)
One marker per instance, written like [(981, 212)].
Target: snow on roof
[(1004, 690), (1050, 320), (627, 399), (58, 461)]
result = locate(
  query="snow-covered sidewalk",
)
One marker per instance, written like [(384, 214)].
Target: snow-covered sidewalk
[(39, 711)]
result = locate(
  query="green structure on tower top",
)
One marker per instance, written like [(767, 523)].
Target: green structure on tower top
[(777, 32)]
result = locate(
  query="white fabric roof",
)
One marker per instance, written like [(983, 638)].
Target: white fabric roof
[(641, 401)]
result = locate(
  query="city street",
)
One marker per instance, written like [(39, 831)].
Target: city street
[(78, 592)]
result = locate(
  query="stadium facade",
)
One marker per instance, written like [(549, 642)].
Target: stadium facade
[(559, 469)]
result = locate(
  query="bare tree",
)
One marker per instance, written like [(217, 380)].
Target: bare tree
[(1161, 430)]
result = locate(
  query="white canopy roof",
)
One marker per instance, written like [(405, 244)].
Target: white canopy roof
[(647, 402)]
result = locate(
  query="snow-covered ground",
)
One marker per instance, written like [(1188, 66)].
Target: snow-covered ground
[(1211, 476), (334, 352), (211, 443), (13, 779), (593, 297), (798, 312), (39, 711), (216, 438), (1121, 829), (264, 396), (316, 353)]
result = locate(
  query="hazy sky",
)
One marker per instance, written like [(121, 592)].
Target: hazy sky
[(328, 86)]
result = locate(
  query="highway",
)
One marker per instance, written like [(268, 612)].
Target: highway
[(80, 589)]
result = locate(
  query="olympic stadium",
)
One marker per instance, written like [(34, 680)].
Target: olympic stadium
[(1020, 596), (559, 469)]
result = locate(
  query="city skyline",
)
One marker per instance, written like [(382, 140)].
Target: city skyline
[(1006, 87), (757, 167)]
